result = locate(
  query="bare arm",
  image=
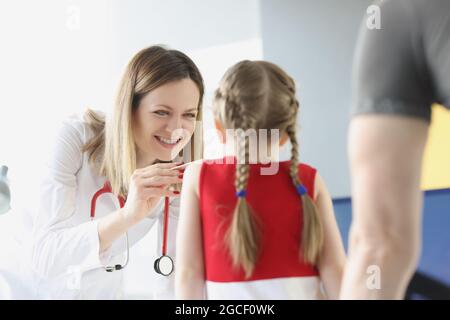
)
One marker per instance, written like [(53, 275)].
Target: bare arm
[(385, 156), (332, 260), (189, 275)]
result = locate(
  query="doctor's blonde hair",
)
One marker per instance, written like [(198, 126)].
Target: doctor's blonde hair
[(260, 95), (112, 150)]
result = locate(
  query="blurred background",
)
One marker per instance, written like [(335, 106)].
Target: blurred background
[(59, 57)]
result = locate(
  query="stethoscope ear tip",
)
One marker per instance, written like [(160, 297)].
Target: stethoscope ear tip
[(117, 267), (109, 269)]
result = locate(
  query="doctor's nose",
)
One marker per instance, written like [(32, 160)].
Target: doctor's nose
[(174, 124)]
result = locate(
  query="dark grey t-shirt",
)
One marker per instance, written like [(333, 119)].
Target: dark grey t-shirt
[(404, 67)]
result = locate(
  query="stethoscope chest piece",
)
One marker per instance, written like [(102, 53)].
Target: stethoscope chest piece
[(164, 265)]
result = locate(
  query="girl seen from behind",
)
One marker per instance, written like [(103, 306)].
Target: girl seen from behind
[(244, 234)]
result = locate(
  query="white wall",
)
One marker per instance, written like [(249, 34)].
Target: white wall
[(49, 69)]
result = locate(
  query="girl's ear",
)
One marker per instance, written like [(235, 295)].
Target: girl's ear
[(220, 131), (284, 138)]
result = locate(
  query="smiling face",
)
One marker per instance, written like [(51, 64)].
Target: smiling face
[(164, 121)]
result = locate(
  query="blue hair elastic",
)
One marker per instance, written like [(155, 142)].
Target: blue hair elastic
[(301, 189), (241, 194)]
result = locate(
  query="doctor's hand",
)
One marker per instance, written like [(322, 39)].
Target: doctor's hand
[(147, 186)]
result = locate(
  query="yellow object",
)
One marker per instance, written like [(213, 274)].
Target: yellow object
[(436, 163)]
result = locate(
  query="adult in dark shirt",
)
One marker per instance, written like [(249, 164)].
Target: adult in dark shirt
[(400, 70)]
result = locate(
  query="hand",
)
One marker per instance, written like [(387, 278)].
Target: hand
[(147, 186)]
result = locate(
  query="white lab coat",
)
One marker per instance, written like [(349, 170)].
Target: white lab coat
[(65, 255)]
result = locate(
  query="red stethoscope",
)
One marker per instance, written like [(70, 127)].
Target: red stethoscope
[(164, 264)]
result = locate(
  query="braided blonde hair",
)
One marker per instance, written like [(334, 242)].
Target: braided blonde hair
[(260, 95)]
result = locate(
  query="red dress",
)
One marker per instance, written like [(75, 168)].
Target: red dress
[(280, 272)]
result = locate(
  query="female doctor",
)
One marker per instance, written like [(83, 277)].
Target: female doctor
[(128, 156)]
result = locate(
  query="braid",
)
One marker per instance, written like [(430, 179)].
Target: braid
[(242, 236), (242, 156), (312, 231), (290, 130)]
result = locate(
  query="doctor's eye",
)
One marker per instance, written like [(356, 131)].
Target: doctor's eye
[(191, 115), (161, 113)]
